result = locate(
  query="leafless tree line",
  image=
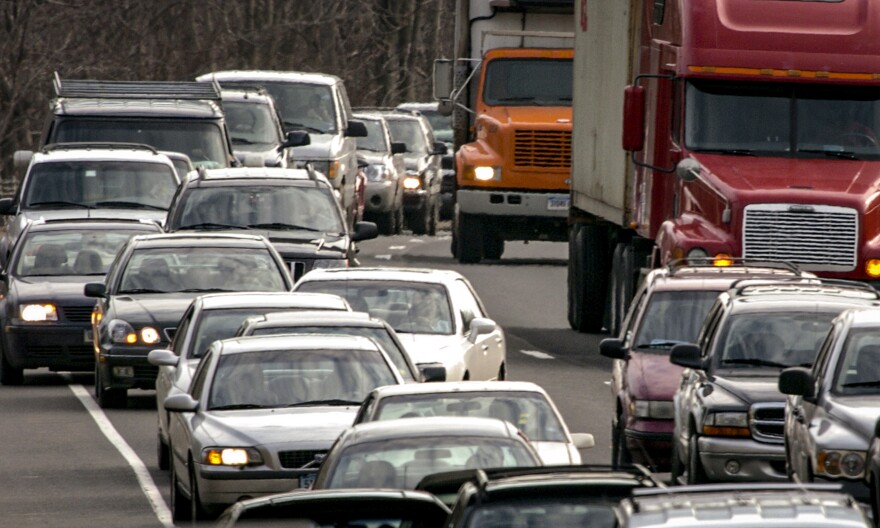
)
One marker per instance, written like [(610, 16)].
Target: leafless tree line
[(383, 49)]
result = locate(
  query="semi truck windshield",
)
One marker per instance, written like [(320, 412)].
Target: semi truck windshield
[(528, 82), (775, 119)]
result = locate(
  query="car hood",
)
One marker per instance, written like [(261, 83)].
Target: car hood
[(67, 287), (321, 147), (554, 453), (116, 213), (373, 158), (269, 153), (748, 388), (309, 427), (301, 244), (858, 413), (431, 348), (161, 310), (652, 376)]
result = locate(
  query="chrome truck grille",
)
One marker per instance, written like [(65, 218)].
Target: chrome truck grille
[(816, 237), (542, 149), (767, 422)]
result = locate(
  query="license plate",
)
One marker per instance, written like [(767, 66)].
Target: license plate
[(87, 336), (558, 203), (306, 481)]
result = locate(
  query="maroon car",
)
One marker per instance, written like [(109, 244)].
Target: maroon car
[(667, 309)]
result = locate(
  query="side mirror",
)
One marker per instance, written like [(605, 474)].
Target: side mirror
[(356, 129), (180, 403), (688, 169), (439, 148), (432, 372), (21, 159), (364, 231), (296, 138), (797, 381), (7, 206), (163, 358), (633, 118), (95, 289), (443, 69), (398, 147), (612, 347), (480, 326), (583, 440), (687, 355), (877, 428)]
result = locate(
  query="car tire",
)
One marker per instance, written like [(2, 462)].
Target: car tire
[(675, 470), (434, 216), (469, 238), (875, 498), (419, 221), (109, 398), (399, 220), (9, 375), (620, 455), (502, 373), (385, 222), (181, 509), (587, 278), (695, 472), (493, 246), (198, 511), (162, 454)]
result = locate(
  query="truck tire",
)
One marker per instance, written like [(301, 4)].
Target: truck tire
[(385, 222), (468, 238), (493, 246), (623, 277), (587, 277)]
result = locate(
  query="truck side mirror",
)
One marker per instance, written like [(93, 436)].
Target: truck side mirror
[(356, 129), (688, 169), (443, 79), (687, 355), (612, 347), (633, 118), (296, 138), (797, 381)]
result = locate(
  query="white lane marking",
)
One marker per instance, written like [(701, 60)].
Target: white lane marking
[(382, 257), (607, 382), (140, 469), (396, 247), (417, 240), (537, 354)]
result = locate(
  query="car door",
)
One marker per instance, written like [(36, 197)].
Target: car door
[(180, 424), (167, 377), (486, 352)]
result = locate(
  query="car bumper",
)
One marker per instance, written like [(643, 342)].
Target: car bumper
[(729, 459), (379, 196), (513, 203), (649, 443), (114, 365), (857, 488), (414, 200), (56, 346), (221, 486)]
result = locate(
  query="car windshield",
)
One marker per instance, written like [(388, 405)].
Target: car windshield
[(375, 140), (200, 269), (782, 119), (528, 82), (380, 335), (550, 512), (528, 411), (773, 339), (859, 364), (673, 317), (130, 184), (224, 323), (302, 106), (441, 124), (410, 133), (251, 123), (203, 142), (275, 207), (409, 307), (403, 462), (288, 378), (84, 251)]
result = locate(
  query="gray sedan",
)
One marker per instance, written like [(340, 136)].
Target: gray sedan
[(260, 413)]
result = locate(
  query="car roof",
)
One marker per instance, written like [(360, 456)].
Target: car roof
[(69, 152), (708, 277), (435, 426), (438, 276), (253, 95), (269, 76), (403, 115), (251, 173), (760, 296), (867, 317), (311, 318), (450, 387), (239, 345), (143, 108), (219, 301), (418, 106), (200, 239)]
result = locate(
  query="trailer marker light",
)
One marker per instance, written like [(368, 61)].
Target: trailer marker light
[(774, 72), (872, 267), (722, 260)]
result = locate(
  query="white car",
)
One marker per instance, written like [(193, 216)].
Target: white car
[(209, 318), (522, 403), (436, 313)]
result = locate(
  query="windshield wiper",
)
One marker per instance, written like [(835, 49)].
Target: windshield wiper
[(141, 290), (212, 225), (242, 141), (291, 124), (199, 290), (660, 343), (732, 152), (845, 154), (515, 99), (60, 203), (325, 402), (122, 203), (238, 406), (281, 225), (754, 361), (875, 383)]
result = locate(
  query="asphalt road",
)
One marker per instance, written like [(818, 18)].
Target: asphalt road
[(65, 462)]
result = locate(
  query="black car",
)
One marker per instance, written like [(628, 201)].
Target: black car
[(149, 287), (44, 314), (294, 208)]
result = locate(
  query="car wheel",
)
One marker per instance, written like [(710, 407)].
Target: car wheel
[(385, 222), (198, 512), (620, 455), (162, 456), (466, 377), (109, 398), (181, 510), (695, 473), (469, 238), (9, 375), (502, 372), (675, 470), (875, 498), (435, 216)]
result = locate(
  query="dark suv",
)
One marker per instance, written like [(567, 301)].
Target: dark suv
[(729, 413), (176, 116)]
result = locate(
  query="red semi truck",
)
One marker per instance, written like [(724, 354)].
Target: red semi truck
[(750, 129)]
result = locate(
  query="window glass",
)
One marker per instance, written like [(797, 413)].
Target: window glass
[(673, 317), (528, 82), (410, 133), (302, 106), (181, 331), (859, 363), (84, 252), (251, 124), (375, 140), (200, 376), (542, 513), (223, 324)]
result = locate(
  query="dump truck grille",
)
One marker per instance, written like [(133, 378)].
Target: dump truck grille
[(542, 148)]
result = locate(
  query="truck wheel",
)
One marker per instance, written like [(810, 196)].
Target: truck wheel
[(587, 277), (9, 375), (469, 238), (493, 246), (622, 279)]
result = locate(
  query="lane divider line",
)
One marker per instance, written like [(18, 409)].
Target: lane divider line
[(537, 354), (148, 486)]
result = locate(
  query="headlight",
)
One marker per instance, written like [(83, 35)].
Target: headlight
[(333, 169), (149, 335), (727, 424), (412, 183), (231, 456), (487, 173), (850, 464), (330, 263), (33, 313), (659, 410), (121, 332), (376, 173)]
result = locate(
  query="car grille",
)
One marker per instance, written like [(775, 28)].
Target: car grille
[(816, 237), (767, 421), (78, 314), (53, 352), (297, 459), (542, 148)]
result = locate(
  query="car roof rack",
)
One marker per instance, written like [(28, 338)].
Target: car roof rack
[(191, 90), (852, 286), (51, 147), (734, 487), (709, 262)]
